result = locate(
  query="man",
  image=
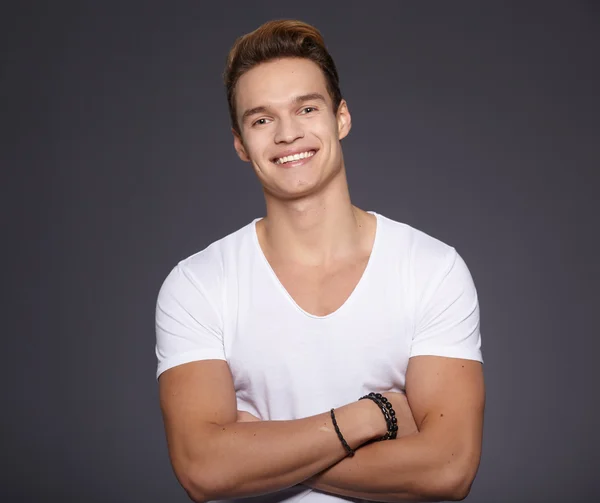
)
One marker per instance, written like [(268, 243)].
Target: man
[(319, 303)]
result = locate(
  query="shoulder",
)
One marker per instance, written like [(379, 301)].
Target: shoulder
[(206, 269), (422, 251), (425, 261)]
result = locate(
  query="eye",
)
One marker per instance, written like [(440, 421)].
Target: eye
[(260, 122), (306, 110)]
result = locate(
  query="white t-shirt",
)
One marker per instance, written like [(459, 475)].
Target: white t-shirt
[(416, 297)]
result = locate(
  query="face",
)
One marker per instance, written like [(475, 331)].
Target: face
[(288, 129)]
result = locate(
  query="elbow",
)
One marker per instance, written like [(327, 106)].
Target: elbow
[(457, 492), (196, 496), (197, 483), (202, 484), (442, 485), (193, 487), (447, 489), (458, 484)]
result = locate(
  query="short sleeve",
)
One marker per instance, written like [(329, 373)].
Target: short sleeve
[(188, 323), (447, 322)]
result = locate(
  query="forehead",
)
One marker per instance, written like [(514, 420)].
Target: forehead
[(277, 82)]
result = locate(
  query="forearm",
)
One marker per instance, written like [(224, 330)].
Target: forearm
[(414, 468), (247, 459)]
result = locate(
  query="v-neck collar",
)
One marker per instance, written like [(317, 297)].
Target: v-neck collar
[(353, 293)]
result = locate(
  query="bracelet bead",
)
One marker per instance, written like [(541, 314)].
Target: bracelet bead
[(388, 412)]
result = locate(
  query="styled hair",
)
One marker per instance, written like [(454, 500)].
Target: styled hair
[(286, 38)]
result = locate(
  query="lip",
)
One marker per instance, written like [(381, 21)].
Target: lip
[(299, 162)]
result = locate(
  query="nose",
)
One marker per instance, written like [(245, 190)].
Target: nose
[(288, 130)]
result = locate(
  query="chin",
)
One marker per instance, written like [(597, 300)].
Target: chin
[(288, 193), (290, 187)]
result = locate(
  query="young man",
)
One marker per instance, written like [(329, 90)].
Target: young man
[(319, 303)]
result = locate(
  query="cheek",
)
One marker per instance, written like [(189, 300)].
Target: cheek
[(256, 147), (328, 130)]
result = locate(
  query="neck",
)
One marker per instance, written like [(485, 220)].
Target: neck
[(315, 230)]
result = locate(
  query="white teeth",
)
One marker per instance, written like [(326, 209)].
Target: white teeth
[(295, 157)]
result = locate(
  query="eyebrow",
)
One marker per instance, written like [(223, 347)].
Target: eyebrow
[(295, 101)]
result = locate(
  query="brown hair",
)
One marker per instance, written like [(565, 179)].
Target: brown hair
[(285, 38)]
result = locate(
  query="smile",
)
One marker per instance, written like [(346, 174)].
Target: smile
[(294, 157)]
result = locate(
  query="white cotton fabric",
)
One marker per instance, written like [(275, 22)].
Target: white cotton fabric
[(416, 297)]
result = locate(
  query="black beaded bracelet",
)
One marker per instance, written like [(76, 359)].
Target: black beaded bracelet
[(349, 449), (390, 416), (388, 413)]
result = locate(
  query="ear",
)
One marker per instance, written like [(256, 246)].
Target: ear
[(344, 120), (238, 145)]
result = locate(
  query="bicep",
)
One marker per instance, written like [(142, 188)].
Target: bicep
[(447, 398), (194, 397)]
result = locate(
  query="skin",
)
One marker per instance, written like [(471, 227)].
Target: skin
[(318, 244)]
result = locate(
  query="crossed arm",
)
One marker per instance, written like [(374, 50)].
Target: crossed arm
[(447, 398), (215, 457)]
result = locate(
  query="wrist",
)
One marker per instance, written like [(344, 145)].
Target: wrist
[(375, 420), (387, 409), (359, 423)]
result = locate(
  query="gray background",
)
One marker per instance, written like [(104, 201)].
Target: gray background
[(475, 122)]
